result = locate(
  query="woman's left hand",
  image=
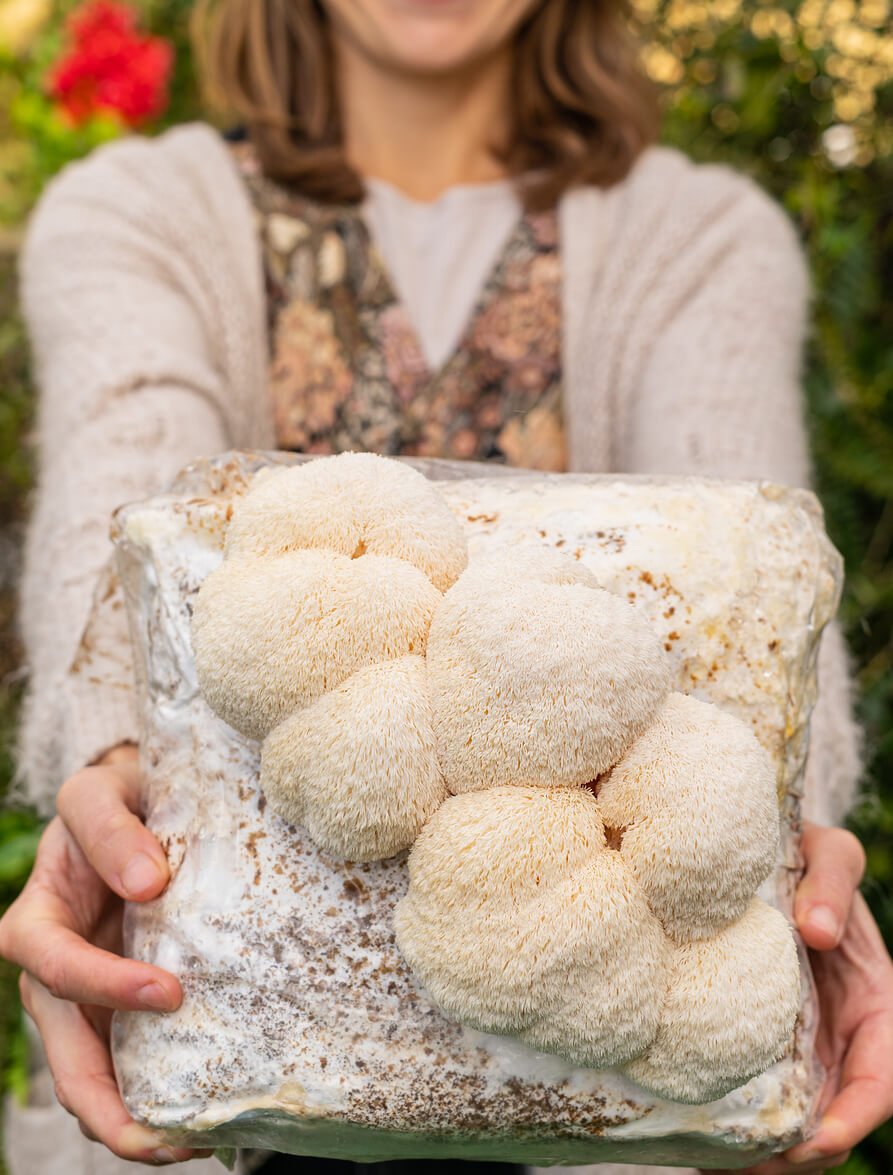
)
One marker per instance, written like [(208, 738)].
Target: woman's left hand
[(854, 977)]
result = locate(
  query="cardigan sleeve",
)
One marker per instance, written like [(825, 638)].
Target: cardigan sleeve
[(718, 393), (130, 386)]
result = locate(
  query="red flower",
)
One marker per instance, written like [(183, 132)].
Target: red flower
[(111, 66)]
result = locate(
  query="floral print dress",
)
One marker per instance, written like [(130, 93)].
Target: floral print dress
[(347, 371)]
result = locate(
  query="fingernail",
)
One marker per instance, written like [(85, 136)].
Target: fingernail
[(141, 873), (164, 1154), (824, 918), (154, 996), (139, 1143)]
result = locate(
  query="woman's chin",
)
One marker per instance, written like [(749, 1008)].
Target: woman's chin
[(428, 36)]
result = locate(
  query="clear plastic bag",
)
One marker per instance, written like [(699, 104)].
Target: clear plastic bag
[(302, 1030)]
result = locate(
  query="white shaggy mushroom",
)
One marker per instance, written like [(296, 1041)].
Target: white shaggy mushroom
[(355, 504), (523, 563), (540, 682), (273, 634), (730, 1010), (357, 769), (519, 920), (696, 802)]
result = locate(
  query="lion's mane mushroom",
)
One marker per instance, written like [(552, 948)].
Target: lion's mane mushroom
[(524, 563), (730, 1010), (519, 920), (538, 677), (355, 504), (273, 634), (357, 768), (311, 636), (694, 798)]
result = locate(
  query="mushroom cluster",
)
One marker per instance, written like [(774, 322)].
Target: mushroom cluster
[(310, 636), (586, 843)]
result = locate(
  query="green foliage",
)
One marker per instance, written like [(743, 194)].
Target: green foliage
[(15, 1072), (766, 87), (18, 844), (39, 141)]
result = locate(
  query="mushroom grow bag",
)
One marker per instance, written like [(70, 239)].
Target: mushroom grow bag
[(302, 1029)]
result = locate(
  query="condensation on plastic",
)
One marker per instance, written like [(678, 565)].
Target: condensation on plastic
[(301, 1029)]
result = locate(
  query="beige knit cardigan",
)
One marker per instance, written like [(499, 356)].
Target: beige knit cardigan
[(685, 299)]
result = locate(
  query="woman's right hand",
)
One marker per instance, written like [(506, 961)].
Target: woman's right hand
[(64, 931)]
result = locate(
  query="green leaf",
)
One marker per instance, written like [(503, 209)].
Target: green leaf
[(17, 1062), (17, 857)]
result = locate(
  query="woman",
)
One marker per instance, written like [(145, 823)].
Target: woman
[(469, 247)]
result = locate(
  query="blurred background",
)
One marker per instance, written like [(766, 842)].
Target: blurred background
[(797, 93)]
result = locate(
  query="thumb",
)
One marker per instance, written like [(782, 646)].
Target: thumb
[(835, 863), (99, 806)]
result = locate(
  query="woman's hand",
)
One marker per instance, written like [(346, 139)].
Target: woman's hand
[(854, 977), (64, 931)]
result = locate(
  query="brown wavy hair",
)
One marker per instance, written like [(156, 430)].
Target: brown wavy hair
[(583, 109)]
